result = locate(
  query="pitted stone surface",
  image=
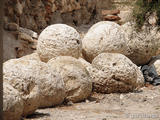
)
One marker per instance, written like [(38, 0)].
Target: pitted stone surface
[(12, 103), (116, 73), (104, 37), (58, 40), (76, 78)]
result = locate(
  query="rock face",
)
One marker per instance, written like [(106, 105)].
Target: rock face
[(22, 75), (116, 73), (58, 40), (157, 66), (143, 45), (48, 12), (76, 78), (12, 103), (103, 37)]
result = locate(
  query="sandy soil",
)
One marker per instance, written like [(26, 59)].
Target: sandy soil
[(139, 105)]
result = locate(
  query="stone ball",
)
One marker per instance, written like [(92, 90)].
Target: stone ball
[(58, 40), (52, 87), (115, 74), (104, 37), (21, 75), (94, 73), (76, 78), (36, 81)]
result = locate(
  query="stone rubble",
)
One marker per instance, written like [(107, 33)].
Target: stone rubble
[(65, 67), (49, 63)]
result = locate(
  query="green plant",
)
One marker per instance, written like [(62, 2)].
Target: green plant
[(143, 8)]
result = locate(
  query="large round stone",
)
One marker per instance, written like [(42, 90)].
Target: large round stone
[(21, 75), (92, 71), (76, 78), (52, 88), (143, 44), (104, 37), (12, 103), (58, 40), (115, 73), (36, 82)]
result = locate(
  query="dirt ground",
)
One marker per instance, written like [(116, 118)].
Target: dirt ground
[(139, 105)]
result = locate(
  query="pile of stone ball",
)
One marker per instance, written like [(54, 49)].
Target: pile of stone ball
[(66, 68)]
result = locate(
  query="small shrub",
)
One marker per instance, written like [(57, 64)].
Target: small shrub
[(144, 8)]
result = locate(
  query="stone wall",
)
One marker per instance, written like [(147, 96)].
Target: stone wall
[(37, 14)]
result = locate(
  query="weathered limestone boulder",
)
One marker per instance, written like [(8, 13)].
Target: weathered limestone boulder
[(12, 103), (103, 37), (116, 73), (95, 73), (36, 82), (52, 88), (76, 78), (58, 40), (143, 44), (21, 75), (157, 66)]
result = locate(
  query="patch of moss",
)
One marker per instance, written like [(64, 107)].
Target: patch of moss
[(143, 8)]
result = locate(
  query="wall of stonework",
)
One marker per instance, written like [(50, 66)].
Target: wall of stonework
[(37, 14), (25, 19)]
